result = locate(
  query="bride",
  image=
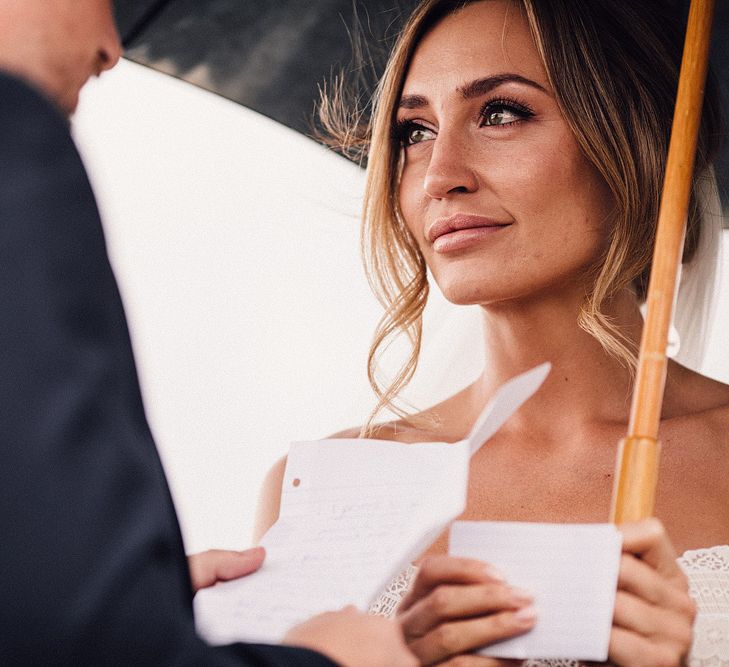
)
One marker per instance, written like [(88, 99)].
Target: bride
[(517, 150)]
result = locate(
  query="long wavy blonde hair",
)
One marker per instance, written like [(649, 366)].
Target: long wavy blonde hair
[(613, 66)]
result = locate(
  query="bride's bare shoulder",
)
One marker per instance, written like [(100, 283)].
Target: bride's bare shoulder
[(700, 400), (402, 430), (439, 423)]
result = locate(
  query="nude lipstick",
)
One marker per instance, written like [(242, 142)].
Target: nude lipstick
[(461, 231)]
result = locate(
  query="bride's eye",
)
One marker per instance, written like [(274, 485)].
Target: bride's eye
[(503, 112), (409, 133)]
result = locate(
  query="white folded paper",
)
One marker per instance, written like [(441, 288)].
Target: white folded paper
[(572, 571), (353, 514)]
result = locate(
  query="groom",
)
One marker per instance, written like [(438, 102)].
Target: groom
[(92, 568)]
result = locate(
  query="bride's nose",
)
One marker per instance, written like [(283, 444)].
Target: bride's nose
[(449, 170)]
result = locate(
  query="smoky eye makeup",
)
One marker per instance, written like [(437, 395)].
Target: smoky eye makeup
[(504, 112), (498, 112), (408, 132)]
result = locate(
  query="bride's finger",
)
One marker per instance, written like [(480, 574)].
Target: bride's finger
[(628, 649), (437, 570), (450, 639), (647, 620), (479, 661), (447, 603), (640, 579), (649, 540)]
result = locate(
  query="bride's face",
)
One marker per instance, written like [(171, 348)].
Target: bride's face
[(494, 187)]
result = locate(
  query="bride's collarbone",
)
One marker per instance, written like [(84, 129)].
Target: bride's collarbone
[(690, 499)]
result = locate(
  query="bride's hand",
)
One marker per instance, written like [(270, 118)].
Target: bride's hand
[(654, 614), (457, 605)]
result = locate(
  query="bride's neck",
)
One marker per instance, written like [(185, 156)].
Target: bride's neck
[(585, 384)]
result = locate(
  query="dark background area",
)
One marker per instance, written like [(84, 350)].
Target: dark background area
[(269, 55), (273, 55)]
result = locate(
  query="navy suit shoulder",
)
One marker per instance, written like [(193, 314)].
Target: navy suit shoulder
[(92, 568)]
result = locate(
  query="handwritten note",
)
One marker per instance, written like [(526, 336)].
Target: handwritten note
[(353, 514), (571, 570)]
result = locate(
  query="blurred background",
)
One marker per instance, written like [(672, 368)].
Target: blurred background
[(235, 239)]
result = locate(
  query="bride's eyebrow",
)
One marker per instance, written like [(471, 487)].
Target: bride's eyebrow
[(485, 85), (475, 88), (412, 102)]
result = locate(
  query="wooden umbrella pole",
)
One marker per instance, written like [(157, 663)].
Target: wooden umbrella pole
[(638, 454)]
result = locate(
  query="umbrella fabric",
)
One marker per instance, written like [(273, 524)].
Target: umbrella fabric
[(271, 56)]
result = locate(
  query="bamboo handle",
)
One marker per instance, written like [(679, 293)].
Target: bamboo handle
[(637, 465), (635, 479)]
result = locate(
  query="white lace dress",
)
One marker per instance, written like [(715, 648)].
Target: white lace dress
[(708, 574)]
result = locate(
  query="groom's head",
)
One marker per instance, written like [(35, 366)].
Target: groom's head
[(57, 45)]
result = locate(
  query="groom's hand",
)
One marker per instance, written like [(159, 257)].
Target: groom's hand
[(209, 567), (354, 639)]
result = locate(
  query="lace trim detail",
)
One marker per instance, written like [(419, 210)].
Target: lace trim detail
[(715, 559), (708, 574), (387, 603)]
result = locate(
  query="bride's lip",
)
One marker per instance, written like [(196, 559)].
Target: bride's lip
[(461, 230)]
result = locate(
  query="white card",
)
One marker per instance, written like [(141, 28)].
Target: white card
[(570, 569)]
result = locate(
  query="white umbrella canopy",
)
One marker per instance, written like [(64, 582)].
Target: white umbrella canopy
[(236, 244)]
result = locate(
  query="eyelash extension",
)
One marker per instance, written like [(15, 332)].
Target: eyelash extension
[(524, 111), (402, 129)]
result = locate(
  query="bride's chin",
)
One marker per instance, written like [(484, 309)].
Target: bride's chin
[(488, 295), (470, 295), (467, 284)]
